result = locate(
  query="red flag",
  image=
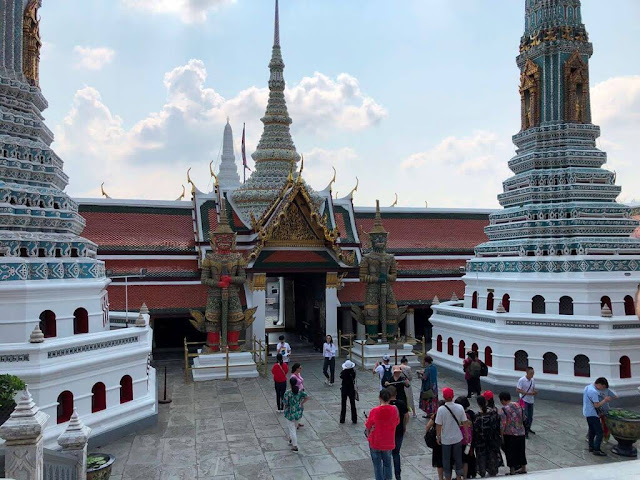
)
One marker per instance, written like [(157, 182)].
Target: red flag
[(244, 150)]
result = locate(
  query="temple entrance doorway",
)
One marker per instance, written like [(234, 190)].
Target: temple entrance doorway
[(169, 334), (295, 308)]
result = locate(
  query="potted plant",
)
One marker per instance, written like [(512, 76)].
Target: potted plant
[(10, 385), (625, 428), (99, 466)]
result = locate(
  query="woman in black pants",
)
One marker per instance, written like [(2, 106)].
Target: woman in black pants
[(279, 372), (348, 390), (329, 351)]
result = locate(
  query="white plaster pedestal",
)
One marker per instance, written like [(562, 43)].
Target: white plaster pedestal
[(241, 365), (373, 353)]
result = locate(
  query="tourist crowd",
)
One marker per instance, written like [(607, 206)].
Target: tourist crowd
[(466, 441)]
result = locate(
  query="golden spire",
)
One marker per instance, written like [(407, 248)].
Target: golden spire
[(213, 175), (377, 222), (193, 185), (223, 224), (104, 194), (395, 201), (181, 197), (355, 189)]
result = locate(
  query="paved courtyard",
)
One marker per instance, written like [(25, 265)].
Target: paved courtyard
[(226, 430)]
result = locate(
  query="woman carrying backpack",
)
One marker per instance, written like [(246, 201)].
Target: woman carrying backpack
[(486, 439), (472, 371)]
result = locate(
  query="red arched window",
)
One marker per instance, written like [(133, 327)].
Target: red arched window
[(474, 300), (606, 301), (461, 349), (490, 302), (65, 406), (488, 356), (80, 321), (506, 301), (629, 305), (439, 343), (625, 367), (48, 323), (450, 346), (474, 348), (99, 398), (521, 361), (550, 363), (581, 366), (126, 389)]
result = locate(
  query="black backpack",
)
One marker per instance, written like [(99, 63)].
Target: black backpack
[(387, 376)]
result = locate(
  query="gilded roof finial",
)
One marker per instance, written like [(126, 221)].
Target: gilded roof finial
[(213, 175), (301, 168), (333, 180), (181, 197), (395, 201), (355, 189), (104, 194), (290, 177), (377, 222), (193, 185), (426, 204)]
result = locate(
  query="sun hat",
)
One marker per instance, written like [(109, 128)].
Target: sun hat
[(488, 395), (348, 364), (385, 358), (447, 393), (396, 368)]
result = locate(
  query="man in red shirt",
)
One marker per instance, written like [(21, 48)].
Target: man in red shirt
[(380, 431)]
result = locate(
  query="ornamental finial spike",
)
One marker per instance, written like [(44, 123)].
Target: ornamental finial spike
[(395, 202), (181, 197), (104, 194), (333, 180), (276, 28), (377, 222), (193, 185), (301, 168), (213, 175), (355, 189)]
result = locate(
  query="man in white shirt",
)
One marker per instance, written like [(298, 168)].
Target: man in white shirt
[(449, 418), (527, 389), (283, 348), (383, 370)]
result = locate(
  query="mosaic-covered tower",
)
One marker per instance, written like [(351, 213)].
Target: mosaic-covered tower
[(559, 273), (228, 177), (276, 155), (54, 313), (42, 252)]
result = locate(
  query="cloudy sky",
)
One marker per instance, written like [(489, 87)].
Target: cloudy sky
[(415, 97)]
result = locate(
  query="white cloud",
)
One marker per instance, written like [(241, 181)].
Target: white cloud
[(187, 131), (91, 58), (189, 11)]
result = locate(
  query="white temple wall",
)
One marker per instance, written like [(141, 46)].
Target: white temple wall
[(21, 304)]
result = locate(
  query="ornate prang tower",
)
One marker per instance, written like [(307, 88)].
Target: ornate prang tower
[(276, 156), (228, 177), (554, 286)]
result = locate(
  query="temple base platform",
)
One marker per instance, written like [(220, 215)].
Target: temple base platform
[(214, 366), (367, 355)]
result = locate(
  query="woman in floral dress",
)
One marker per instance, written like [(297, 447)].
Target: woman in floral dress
[(429, 377)]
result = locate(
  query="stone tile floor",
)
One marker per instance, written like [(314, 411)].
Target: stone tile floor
[(222, 430)]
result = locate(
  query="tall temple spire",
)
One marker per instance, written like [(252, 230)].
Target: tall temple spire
[(228, 177), (560, 200), (276, 152)]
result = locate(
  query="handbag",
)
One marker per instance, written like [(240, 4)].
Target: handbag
[(427, 394), (430, 437), (355, 387)]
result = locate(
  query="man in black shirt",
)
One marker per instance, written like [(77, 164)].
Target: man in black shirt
[(400, 429)]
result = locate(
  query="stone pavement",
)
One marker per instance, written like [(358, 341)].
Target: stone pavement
[(222, 430)]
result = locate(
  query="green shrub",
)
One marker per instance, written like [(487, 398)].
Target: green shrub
[(9, 386)]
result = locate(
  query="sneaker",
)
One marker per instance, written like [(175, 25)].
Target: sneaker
[(599, 453), (326, 382), (295, 449)]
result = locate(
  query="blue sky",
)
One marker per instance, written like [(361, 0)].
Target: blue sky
[(415, 97)]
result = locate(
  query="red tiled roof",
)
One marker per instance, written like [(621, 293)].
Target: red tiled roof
[(149, 232), (158, 297), (119, 267), (406, 292), (428, 264), (430, 233)]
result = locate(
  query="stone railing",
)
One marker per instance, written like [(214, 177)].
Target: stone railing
[(24, 455)]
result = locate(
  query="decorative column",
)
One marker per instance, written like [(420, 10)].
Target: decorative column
[(410, 324), (347, 325), (331, 302), (259, 290), (280, 300), (74, 442), (22, 434)]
